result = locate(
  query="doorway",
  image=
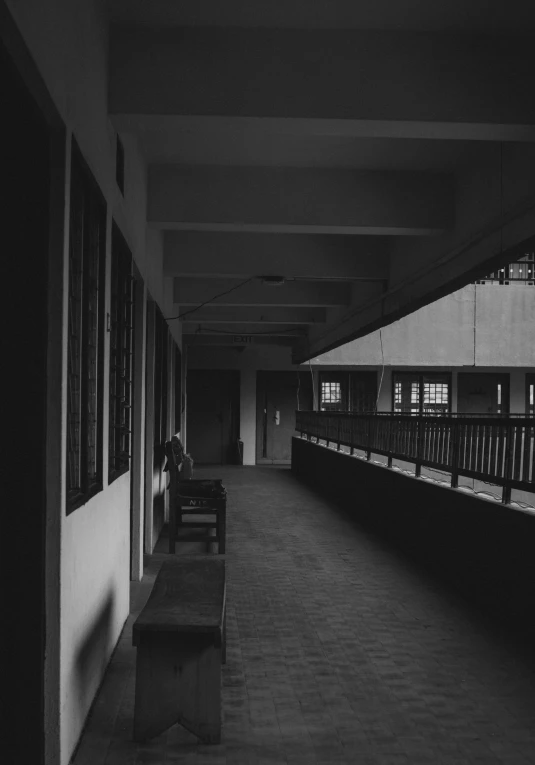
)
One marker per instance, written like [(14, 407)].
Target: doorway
[(26, 184), (213, 416), (482, 393), (278, 395)]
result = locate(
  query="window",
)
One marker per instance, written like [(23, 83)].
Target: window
[(331, 393), (409, 386), (161, 343), (87, 248), (121, 356), (348, 391)]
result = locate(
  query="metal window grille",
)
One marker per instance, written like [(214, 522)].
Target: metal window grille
[(331, 393), (348, 391), (87, 241), (417, 393), (121, 356)]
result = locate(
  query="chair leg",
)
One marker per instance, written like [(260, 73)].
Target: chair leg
[(222, 529)]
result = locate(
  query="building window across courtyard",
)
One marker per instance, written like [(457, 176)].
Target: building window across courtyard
[(87, 252), (416, 393), (348, 391)]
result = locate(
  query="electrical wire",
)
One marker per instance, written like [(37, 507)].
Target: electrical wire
[(313, 385), (211, 300), (383, 370)]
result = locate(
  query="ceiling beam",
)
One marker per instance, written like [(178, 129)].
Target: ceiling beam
[(382, 76), (214, 314), (195, 253), (300, 199), (311, 294), (192, 328), (238, 340)]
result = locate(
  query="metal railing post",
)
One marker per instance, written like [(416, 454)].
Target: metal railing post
[(370, 429), (508, 467), (455, 432), (419, 447)]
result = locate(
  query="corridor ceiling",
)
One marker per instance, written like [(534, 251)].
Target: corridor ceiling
[(325, 167)]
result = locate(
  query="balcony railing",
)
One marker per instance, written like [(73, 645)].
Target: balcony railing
[(496, 449)]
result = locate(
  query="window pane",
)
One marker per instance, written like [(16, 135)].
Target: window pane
[(121, 350)]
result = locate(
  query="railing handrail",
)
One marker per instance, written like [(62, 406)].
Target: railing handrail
[(499, 449), (412, 415)]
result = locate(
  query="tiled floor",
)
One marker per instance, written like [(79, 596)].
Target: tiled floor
[(338, 652)]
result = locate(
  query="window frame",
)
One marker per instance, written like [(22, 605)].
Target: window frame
[(121, 356), (420, 378), (348, 386), (87, 234)]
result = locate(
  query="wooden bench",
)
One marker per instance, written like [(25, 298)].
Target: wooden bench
[(180, 638), (189, 497)]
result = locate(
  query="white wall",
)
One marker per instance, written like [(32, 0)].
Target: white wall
[(483, 324)]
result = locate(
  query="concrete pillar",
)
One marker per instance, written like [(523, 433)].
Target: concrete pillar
[(454, 388), (149, 428), (138, 430), (248, 415)]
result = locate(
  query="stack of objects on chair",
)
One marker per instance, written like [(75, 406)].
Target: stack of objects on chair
[(195, 497)]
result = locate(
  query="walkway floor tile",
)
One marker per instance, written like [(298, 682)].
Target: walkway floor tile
[(339, 651)]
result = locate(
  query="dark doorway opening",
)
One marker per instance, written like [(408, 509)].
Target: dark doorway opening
[(213, 416), (482, 393), (25, 183), (278, 396), (530, 395)]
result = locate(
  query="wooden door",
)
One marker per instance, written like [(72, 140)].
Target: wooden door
[(213, 410), (482, 393), (278, 396)]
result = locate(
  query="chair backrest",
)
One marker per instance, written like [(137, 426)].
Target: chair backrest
[(173, 450)]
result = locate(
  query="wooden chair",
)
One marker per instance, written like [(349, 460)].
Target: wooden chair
[(194, 497)]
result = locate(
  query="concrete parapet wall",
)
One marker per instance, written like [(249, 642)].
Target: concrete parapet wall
[(481, 549)]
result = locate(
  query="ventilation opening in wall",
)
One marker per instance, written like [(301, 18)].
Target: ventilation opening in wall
[(119, 165)]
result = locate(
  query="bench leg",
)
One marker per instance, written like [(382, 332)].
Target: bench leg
[(224, 639), (172, 528), (178, 680)]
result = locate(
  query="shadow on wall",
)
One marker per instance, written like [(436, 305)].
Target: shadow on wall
[(93, 655)]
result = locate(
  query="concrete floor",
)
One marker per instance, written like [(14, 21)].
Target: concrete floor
[(339, 651)]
